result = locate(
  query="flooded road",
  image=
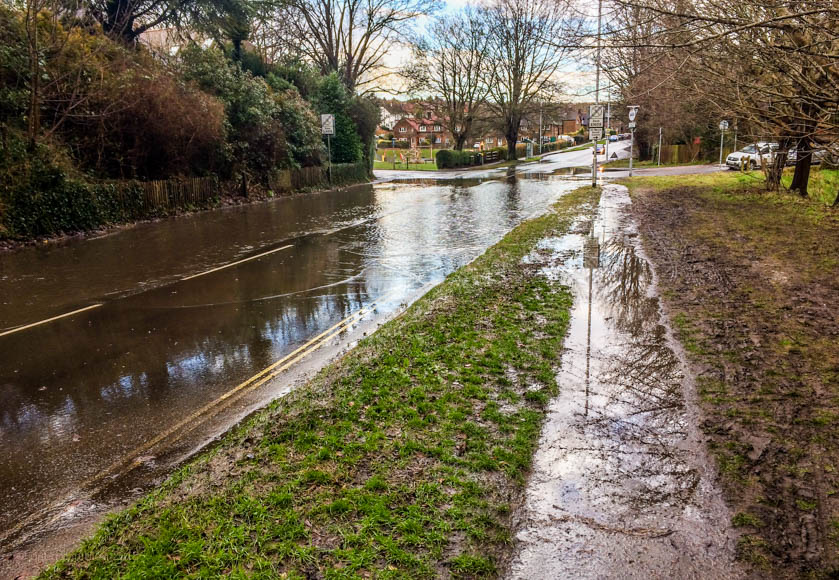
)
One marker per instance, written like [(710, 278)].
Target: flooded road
[(174, 317), (621, 485)]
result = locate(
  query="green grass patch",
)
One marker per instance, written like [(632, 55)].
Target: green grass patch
[(401, 165), (400, 460)]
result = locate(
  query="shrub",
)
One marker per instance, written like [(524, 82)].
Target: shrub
[(332, 99), (450, 158)]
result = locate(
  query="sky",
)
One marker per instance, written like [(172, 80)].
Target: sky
[(577, 78)]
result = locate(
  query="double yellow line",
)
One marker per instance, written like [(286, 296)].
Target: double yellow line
[(131, 460)]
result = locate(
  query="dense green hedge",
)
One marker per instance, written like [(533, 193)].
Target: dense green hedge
[(44, 200), (449, 158)]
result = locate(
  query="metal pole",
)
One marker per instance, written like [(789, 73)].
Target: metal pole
[(608, 124), (540, 128), (735, 137), (631, 146), (596, 95), (659, 146), (329, 149), (722, 138), (393, 150)]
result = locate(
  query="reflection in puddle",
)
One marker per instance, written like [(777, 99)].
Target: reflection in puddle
[(620, 486)]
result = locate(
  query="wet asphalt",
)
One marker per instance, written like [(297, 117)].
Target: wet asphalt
[(90, 401)]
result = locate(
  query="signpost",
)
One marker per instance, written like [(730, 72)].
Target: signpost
[(327, 127), (633, 112), (723, 127), (596, 115)]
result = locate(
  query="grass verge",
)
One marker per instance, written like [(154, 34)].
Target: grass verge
[(410, 167), (750, 281), (405, 458)]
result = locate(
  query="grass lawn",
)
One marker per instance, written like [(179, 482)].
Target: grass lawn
[(823, 185), (425, 152), (405, 458), (410, 167), (750, 282)]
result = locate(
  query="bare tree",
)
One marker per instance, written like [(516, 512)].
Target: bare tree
[(452, 63), (525, 58), (772, 63), (351, 37)]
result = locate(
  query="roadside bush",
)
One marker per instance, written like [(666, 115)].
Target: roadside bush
[(450, 158), (265, 130), (161, 129), (40, 197), (332, 98)]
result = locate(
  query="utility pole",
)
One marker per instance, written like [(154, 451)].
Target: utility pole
[(608, 121), (659, 146), (540, 128), (596, 95)]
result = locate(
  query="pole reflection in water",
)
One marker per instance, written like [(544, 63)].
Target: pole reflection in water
[(621, 486), (82, 392)]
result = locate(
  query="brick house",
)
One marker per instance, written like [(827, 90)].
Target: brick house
[(425, 130)]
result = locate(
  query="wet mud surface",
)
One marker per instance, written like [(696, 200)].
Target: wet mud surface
[(753, 280), (621, 486)]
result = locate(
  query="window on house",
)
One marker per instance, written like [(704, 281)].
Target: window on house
[(422, 128), (403, 129), (437, 128), (428, 114), (490, 140)]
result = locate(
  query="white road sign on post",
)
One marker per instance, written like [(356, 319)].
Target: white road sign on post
[(596, 116), (633, 111), (327, 127), (327, 124), (632, 124), (595, 134), (723, 125)]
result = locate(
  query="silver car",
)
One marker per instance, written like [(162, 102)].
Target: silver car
[(752, 156)]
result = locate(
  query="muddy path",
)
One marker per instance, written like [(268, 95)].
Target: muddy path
[(621, 484), (751, 280)]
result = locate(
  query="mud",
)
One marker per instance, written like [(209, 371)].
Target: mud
[(754, 279), (621, 485)]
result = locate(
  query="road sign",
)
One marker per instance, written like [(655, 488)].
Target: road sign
[(327, 124), (632, 125), (723, 125), (614, 156), (596, 114), (595, 133), (633, 111)]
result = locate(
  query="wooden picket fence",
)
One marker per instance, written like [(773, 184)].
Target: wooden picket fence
[(170, 193)]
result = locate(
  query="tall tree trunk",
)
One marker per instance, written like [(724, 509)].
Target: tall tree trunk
[(459, 141), (803, 161)]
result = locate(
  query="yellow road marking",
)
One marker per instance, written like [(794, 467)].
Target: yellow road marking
[(277, 367), (238, 262), (40, 322)]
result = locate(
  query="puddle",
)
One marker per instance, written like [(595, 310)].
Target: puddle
[(621, 486)]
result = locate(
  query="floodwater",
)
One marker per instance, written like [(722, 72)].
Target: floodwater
[(91, 400), (621, 486)]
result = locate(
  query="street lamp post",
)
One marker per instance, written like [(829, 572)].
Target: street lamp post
[(596, 95)]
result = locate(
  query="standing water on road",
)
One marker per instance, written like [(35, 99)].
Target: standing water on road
[(181, 315), (621, 487)]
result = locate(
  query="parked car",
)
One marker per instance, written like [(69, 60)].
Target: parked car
[(752, 155), (613, 138), (818, 155)]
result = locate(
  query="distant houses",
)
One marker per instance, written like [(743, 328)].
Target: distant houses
[(416, 124)]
